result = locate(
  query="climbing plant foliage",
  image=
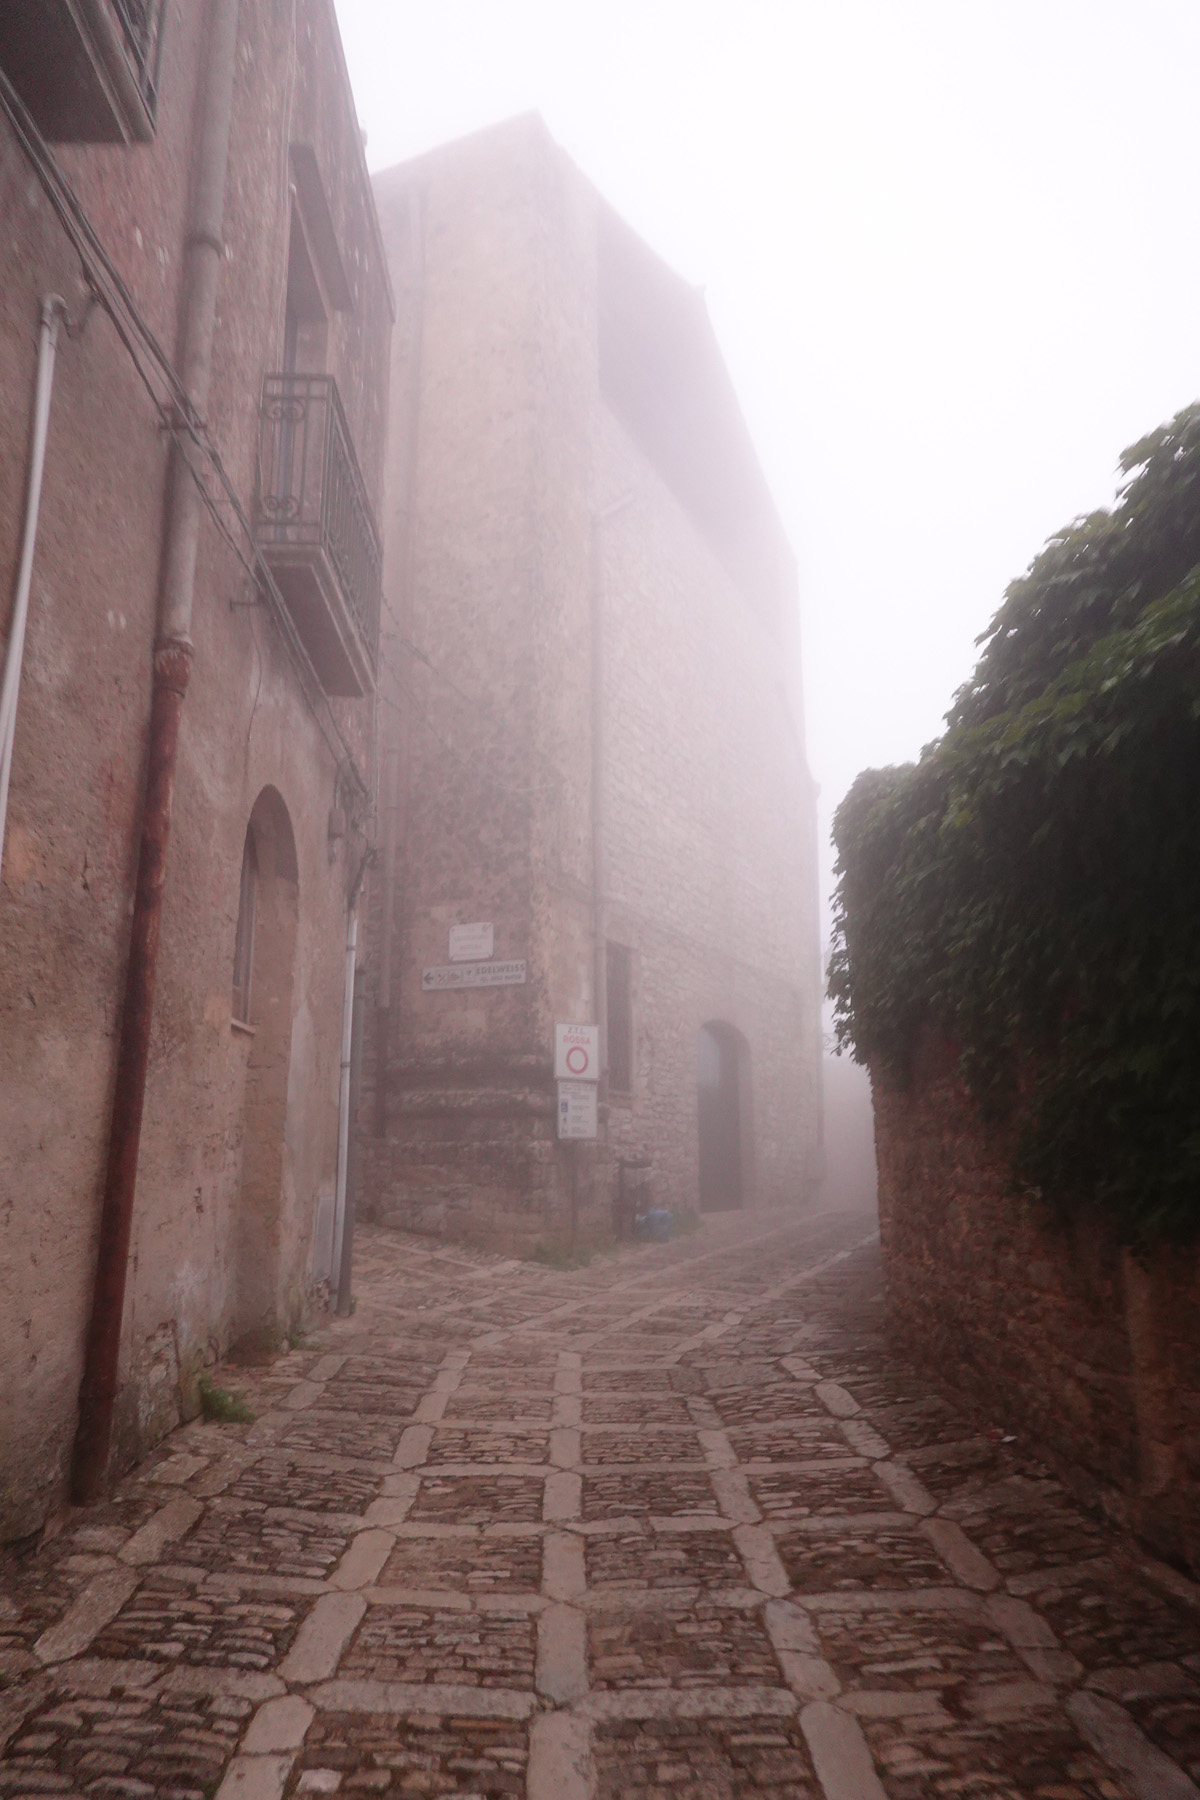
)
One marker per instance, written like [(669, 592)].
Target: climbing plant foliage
[(1030, 888)]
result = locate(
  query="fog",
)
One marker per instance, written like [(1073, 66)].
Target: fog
[(949, 251)]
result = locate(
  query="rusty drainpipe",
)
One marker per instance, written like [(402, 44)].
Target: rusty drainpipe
[(203, 253)]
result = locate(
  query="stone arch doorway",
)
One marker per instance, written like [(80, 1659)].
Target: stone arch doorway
[(263, 974), (722, 1060)]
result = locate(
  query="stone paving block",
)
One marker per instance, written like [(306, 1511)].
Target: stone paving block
[(459, 1446), (620, 1380), (124, 1746), (619, 1496), (470, 1404), (652, 1409), (255, 1778), (915, 1424), (242, 1536), (692, 1759), (371, 1437), (1171, 1722), (303, 1395), (310, 1484), (402, 1757), (953, 1470), (654, 1560), (1022, 1524), (915, 1647), (850, 1558), (773, 1402), (365, 1557), (906, 1488), (840, 1753), (564, 1570), (852, 1626), (174, 1471), (477, 1499), (764, 1570), (1108, 1614), (960, 1555), (168, 1524), (802, 1440), (466, 1649), (562, 1664), (681, 1642), (920, 1757), (99, 1602), (561, 1766), (170, 1620), (836, 1485), (319, 1643), (278, 1725), (651, 1445), (466, 1564)]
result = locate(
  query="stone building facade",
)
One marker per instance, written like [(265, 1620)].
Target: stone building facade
[(592, 727), (273, 785)]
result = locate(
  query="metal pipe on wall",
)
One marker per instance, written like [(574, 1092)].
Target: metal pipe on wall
[(599, 518), (52, 313), (399, 726), (343, 1150), (203, 255), (350, 1206)]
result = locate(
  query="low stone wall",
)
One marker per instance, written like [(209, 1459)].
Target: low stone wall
[(1056, 1330)]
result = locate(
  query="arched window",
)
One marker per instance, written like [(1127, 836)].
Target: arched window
[(243, 949)]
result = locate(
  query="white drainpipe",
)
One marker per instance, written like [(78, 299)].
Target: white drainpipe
[(53, 310)]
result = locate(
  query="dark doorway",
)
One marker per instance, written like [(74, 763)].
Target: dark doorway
[(718, 1090), (262, 981)]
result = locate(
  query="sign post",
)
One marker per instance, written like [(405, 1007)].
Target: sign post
[(577, 1071)]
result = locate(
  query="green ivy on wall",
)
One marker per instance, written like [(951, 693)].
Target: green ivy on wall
[(1030, 888)]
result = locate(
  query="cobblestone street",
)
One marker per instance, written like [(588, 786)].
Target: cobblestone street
[(670, 1527)]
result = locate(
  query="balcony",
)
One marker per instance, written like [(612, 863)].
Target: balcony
[(86, 69), (314, 527)]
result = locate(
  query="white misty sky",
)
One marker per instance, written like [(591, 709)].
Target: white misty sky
[(949, 247)]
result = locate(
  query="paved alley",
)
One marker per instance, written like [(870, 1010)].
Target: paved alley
[(670, 1527)]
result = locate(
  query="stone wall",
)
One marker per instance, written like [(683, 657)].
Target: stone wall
[(1057, 1330), (589, 723), (250, 742)]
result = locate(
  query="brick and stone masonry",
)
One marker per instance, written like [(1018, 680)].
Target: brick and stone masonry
[(1090, 1349), (240, 1135), (591, 722)]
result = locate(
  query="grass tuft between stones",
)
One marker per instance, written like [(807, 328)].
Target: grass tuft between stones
[(220, 1407)]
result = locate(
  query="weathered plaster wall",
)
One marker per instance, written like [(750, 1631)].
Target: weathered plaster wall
[(1057, 1330), (502, 456), (70, 856)]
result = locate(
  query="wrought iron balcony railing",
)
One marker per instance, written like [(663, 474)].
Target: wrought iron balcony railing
[(86, 69), (316, 530)]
